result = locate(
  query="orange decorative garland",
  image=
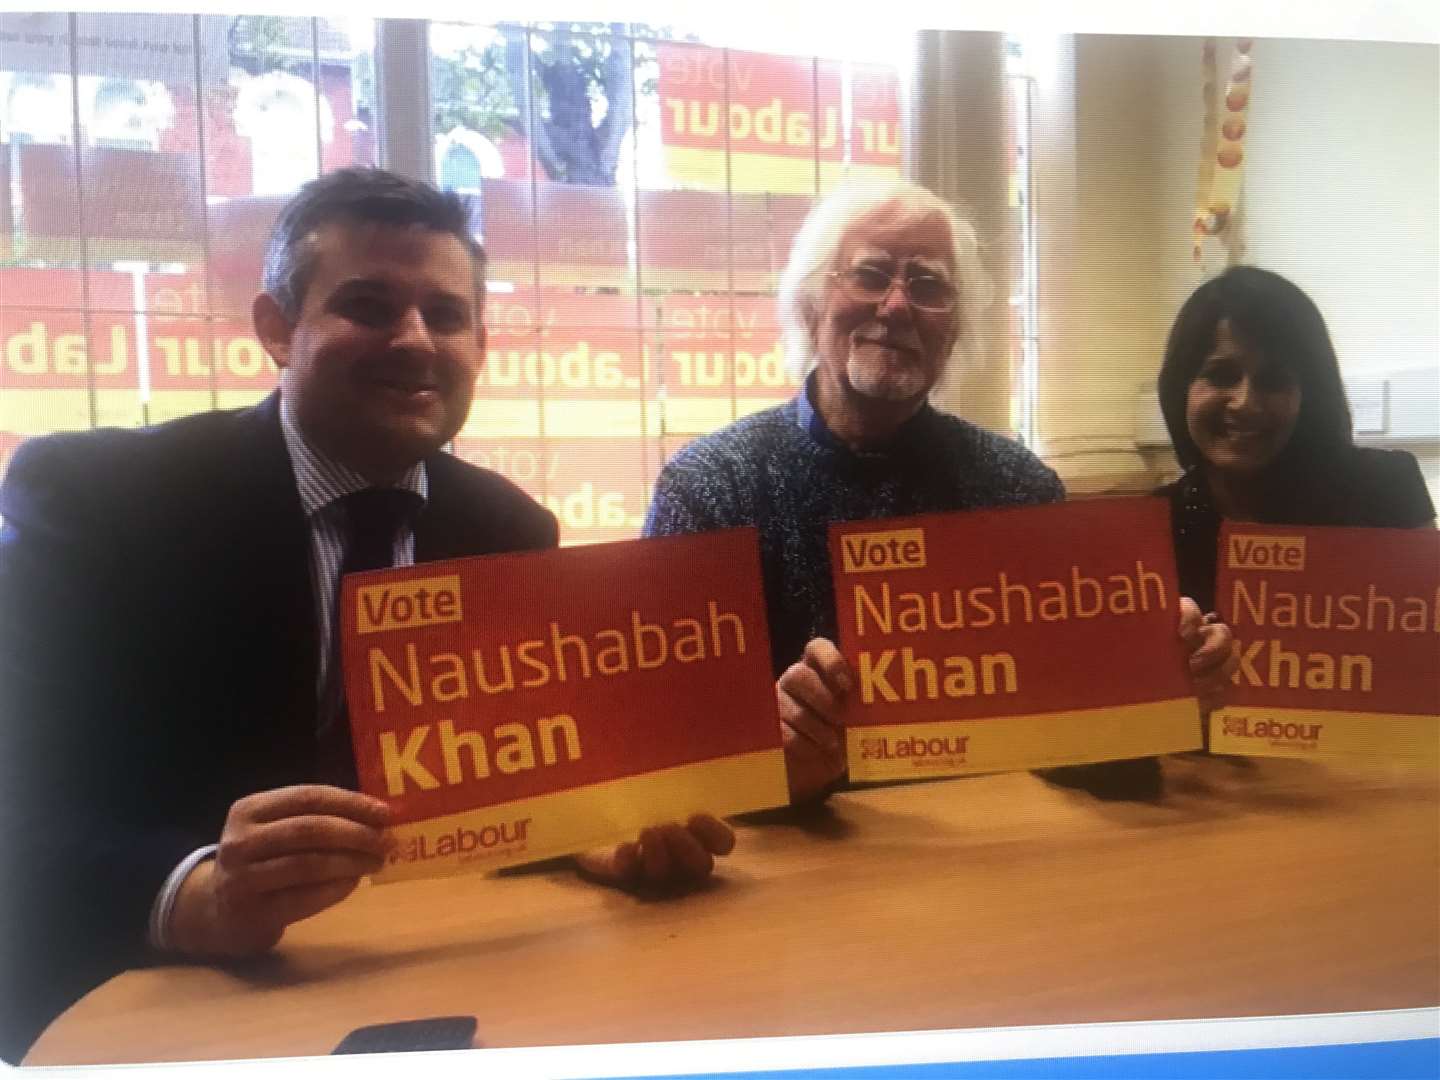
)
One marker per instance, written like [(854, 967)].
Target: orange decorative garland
[(1222, 149)]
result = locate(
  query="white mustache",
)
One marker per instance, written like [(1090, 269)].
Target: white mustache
[(882, 336)]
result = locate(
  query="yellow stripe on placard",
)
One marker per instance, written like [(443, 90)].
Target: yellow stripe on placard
[(39, 412), (545, 826), (781, 174), (697, 415), (241, 399), (498, 417), (118, 408), (588, 419), (1078, 737), (705, 168), (1325, 733), (750, 171), (744, 406)]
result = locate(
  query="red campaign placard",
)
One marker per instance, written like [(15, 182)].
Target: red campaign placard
[(560, 344), (190, 354), (52, 350), (239, 230), (721, 346), (759, 103), (704, 241), (1012, 638), (876, 103), (48, 350), (587, 692), (1339, 638), (136, 194), (574, 233), (711, 241), (597, 488)]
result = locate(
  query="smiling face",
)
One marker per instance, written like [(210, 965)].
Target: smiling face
[(886, 351), (1241, 407), (380, 365)]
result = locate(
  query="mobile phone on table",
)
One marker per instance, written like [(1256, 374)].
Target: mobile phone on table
[(433, 1033)]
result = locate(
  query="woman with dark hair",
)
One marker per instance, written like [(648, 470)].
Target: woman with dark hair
[(1251, 394)]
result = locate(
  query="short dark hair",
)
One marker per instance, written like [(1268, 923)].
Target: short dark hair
[(1274, 316), (358, 194)]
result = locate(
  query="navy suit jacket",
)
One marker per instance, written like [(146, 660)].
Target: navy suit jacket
[(158, 661)]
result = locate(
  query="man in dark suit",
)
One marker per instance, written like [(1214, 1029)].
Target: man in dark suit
[(175, 772)]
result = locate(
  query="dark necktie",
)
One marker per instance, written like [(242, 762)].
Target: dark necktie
[(374, 518)]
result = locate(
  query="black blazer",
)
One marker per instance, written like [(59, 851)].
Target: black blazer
[(158, 661)]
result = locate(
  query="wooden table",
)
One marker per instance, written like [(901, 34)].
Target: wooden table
[(1253, 887)]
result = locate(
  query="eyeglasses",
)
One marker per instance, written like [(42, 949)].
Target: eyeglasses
[(871, 284)]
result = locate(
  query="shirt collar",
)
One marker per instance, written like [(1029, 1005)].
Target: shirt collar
[(321, 480), (813, 424), (810, 420)]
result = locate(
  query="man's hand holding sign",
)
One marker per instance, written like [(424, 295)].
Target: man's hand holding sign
[(813, 695), (517, 708), (284, 855)]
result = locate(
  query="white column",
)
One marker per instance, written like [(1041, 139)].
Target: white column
[(402, 77), (957, 145)]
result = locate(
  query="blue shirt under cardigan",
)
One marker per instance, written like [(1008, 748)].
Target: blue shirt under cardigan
[(785, 472)]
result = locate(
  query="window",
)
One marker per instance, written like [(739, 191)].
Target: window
[(650, 186), (637, 188), (142, 170)]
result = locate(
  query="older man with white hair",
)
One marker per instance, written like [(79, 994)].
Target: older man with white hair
[(880, 297)]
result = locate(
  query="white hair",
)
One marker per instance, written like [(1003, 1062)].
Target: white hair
[(817, 246)]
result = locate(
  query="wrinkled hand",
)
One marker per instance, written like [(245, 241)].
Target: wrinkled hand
[(284, 855), (664, 856), (1214, 657), (811, 695)]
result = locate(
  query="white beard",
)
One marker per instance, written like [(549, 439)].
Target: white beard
[(884, 374)]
